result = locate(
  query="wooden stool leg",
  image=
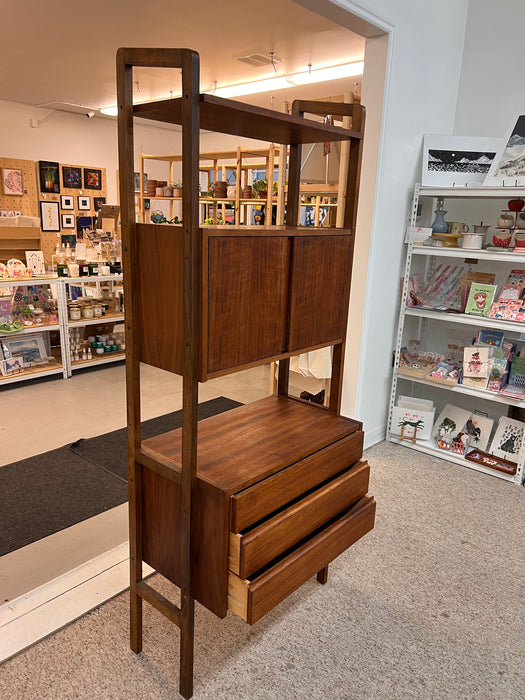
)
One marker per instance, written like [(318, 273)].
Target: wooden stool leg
[(186, 645), (135, 557), (322, 576)]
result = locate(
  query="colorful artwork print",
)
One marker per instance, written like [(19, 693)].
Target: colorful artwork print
[(12, 181), (11, 366), (71, 177), (49, 176), (98, 202), (92, 179)]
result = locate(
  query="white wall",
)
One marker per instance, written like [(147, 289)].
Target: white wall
[(425, 54), (491, 85), (72, 138)]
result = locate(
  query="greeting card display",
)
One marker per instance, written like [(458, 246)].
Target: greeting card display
[(507, 439), (480, 299), (449, 424), (413, 418), (513, 287)]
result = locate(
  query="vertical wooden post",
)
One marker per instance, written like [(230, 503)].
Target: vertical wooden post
[(132, 296), (190, 313)]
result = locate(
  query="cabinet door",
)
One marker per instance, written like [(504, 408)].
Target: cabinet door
[(247, 299), (320, 285)]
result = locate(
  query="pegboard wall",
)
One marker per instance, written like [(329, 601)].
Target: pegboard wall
[(74, 184), (27, 202)]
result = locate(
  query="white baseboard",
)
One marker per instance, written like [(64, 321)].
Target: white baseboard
[(372, 437), (37, 614)]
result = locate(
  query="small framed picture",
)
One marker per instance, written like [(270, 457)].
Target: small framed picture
[(84, 203), (30, 349), (67, 201), (71, 177), (98, 202), (68, 221), (92, 179), (49, 176), (12, 366), (49, 216), (12, 181), (35, 262)]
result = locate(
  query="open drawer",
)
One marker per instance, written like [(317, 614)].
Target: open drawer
[(253, 597), (251, 550)]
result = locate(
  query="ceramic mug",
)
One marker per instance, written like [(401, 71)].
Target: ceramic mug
[(519, 239), (458, 228), (473, 241)]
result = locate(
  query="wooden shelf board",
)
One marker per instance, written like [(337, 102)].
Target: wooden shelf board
[(239, 119)]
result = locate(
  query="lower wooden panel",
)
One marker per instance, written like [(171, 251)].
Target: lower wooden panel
[(251, 599), (161, 542)]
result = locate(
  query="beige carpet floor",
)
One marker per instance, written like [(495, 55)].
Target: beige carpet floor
[(430, 604)]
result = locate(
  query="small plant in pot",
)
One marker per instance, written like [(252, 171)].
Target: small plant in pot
[(177, 189), (260, 188)]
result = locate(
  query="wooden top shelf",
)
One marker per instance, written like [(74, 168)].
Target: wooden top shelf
[(239, 447), (239, 119)]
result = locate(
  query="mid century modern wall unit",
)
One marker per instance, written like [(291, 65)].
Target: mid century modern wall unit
[(241, 509)]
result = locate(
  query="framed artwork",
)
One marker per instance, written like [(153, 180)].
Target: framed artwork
[(12, 181), (507, 439), (137, 182), (92, 179), (12, 366), (67, 201), (98, 202), (49, 216), (71, 177), (84, 203), (457, 161), (30, 349), (35, 262), (508, 167), (49, 176), (68, 221), (69, 239)]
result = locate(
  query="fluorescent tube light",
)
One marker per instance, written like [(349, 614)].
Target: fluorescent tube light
[(319, 75), (112, 110)]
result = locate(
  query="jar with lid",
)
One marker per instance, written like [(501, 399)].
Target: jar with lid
[(74, 312), (99, 349), (97, 310), (87, 312)]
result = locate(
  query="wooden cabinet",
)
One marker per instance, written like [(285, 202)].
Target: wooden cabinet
[(241, 509), (270, 475), (265, 294)]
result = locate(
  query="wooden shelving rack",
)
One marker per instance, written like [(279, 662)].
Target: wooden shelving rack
[(242, 508)]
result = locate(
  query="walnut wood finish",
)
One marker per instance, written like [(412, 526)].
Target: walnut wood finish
[(320, 284), (247, 293), (251, 599), (240, 119), (265, 542), (254, 503)]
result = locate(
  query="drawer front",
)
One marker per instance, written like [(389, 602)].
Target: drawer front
[(258, 501), (251, 599), (252, 550)]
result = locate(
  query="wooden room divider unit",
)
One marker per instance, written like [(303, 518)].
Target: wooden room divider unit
[(241, 509)]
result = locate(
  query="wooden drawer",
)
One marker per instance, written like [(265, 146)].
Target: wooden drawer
[(252, 550), (258, 501), (253, 598)]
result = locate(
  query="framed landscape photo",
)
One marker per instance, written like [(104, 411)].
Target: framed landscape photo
[(68, 221), (67, 202), (30, 349), (49, 216), (49, 176), (84, 203), (92, 179), (12, 181), (457, 161), (508, 167), (71, 177)]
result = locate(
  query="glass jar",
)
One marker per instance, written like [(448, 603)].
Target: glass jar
[(74, 312), (97, 310), (87, 312)]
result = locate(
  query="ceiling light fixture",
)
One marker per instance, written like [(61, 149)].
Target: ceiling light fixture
[(319, 75), (111, 111)]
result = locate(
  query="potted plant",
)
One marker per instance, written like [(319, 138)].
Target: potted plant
[(219, 189), (177, 189), (260, 187)]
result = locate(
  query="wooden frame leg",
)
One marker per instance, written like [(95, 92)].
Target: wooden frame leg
[(135, 558), (187, 630), (322, 576)]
